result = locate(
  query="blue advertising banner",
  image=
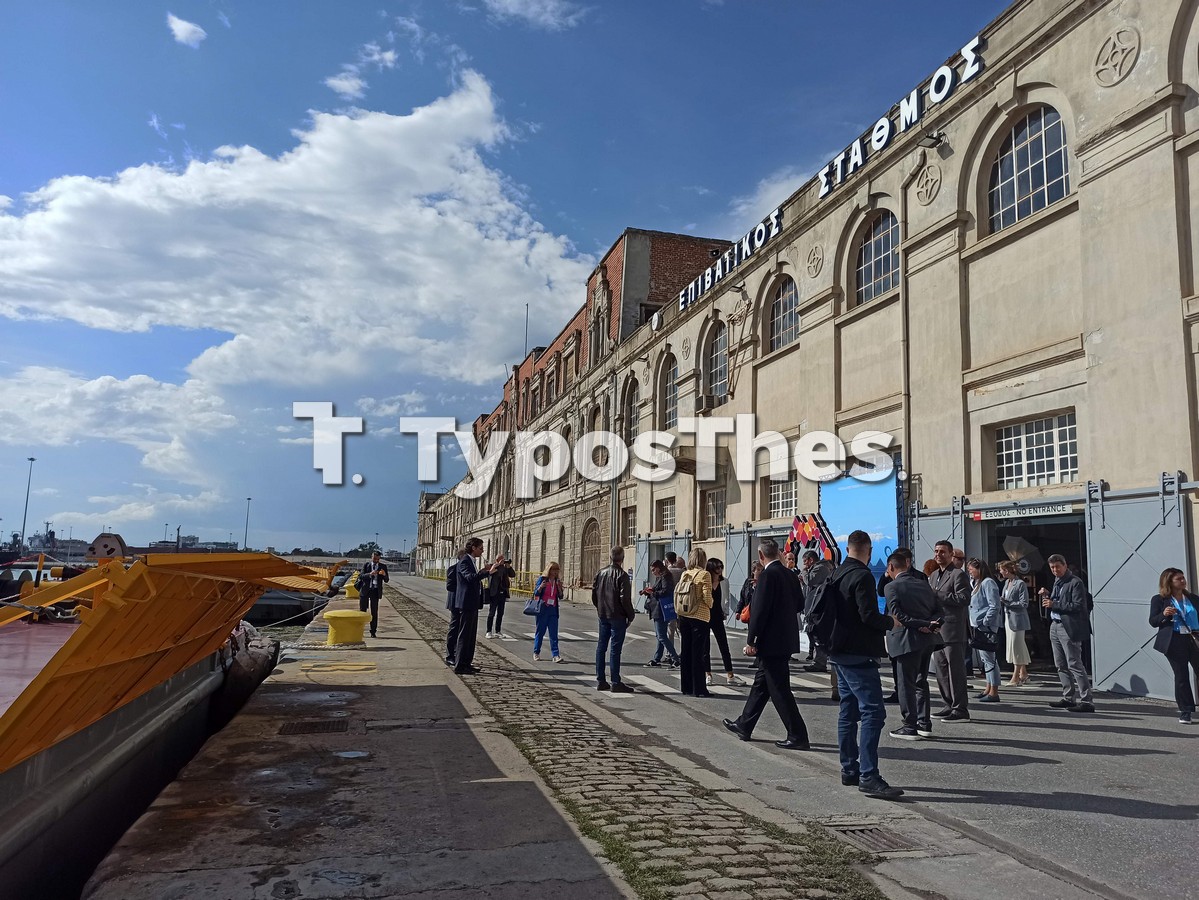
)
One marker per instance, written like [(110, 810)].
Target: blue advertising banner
[(848, 504)]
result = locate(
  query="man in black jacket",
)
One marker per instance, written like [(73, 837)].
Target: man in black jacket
[(857, 643), (912, 602), (612, 595), (370, 588), (772, 637), (498, 591)]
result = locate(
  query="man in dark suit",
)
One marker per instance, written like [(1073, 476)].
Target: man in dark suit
[(910, 645), (451, 589), (952, 588), (468, 599), (370, 588), (772, 637)]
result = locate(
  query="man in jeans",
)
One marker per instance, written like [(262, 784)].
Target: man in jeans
[(857, 643), (1070, 625), (659, 603), (612, 596)]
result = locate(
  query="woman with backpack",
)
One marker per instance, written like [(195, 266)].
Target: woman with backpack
[(715, 569), (693, 604), (548, 590)]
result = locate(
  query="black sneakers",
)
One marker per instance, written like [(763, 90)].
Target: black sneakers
[(621, 688), (1061, 704), (906, 734), (876, 787)]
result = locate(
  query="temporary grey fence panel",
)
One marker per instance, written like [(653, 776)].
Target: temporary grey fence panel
[(1129, 542), (641, 572), (926, 528), (738, 551)]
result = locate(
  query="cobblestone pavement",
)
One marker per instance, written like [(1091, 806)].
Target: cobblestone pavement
[(671, 836)]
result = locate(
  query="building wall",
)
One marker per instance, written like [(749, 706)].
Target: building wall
[(1088, 305)]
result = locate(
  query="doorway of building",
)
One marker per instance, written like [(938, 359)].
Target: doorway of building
[(1030, 542), (590, 555)]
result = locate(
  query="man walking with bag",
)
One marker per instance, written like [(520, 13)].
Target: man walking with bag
[(468, 600), (772, 637), (952, 588)]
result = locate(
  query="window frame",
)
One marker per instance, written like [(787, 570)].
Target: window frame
[(882, 243), (714, 510), (1038, 452), (780, 314), (1018, 185), (712, 364)]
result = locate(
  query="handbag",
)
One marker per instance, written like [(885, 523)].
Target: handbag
[(532, 606), (984, 640), (744, 614)]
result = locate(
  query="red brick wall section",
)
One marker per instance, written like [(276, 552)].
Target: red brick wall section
[(674, 261)]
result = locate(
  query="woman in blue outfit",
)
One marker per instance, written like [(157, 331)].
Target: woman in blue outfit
[(659, 603), (549, 590), (985, 617), (1174, 612)]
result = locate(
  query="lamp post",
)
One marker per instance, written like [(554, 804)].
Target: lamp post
[(28, 482), (377, 540), (165, 526), (245, 544), (70, 545)]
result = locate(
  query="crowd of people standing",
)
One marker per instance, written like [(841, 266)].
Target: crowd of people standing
[(941, 618)]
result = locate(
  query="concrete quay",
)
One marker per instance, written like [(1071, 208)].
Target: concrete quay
[(412, 791), (523, 780)]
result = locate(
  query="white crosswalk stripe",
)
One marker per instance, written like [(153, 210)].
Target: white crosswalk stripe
[(654, 687)]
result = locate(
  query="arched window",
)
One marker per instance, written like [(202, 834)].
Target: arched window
[(544, 548), (668, 391), (565, 479), (561, 560), (590, 551), (878, 259), (784, 314), (716, 378), (527, 562), (631, 411), (1032, 169)]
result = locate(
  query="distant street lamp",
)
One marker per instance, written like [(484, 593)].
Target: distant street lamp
[(245, 544), (165, 526), (376, 540), (28, 482)]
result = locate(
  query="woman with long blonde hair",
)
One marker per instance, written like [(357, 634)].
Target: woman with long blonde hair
[(693, 603), (548, 590)]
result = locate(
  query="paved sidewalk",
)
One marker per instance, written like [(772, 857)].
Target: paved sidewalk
[(417, 796)]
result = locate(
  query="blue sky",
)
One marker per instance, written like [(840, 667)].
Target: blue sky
[(209, 210)]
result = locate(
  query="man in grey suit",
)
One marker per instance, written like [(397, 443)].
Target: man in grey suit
[(913, 604), (952, 588), (1070, 625)]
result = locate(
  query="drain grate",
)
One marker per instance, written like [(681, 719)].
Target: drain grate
[(321, 726), (873, 838)]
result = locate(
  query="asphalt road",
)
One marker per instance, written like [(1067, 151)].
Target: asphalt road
[(1107, 796)]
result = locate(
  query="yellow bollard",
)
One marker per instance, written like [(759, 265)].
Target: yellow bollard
[(352, 592), (345, 626)]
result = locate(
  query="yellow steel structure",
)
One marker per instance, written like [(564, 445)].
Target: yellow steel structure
[(145, 624)]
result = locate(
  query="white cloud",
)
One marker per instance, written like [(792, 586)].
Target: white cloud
[(224, 19), (349, 85), (188, 33), (767, 194), (156, 125), (148, 504), (553, 15), (296, 440), (411, 403), (155, 418), (391, 228)]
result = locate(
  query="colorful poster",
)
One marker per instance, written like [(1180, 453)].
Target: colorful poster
[(848, 504)]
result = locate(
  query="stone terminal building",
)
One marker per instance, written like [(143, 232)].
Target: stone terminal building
[(1000, 273)]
